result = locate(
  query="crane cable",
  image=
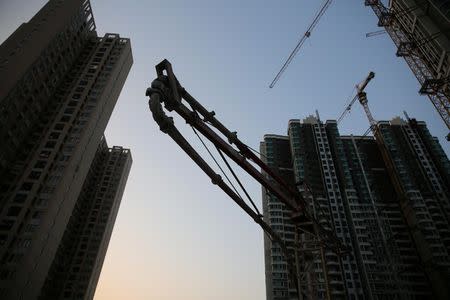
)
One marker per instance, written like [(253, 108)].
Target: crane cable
[(229, 167), (225, 175), (348, 107), (238, 181), (212, 156), (254, 150), (367, 131), (286, 254)]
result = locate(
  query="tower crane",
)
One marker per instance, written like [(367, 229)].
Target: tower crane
[(437, 278), (300, 43), (359, 88), (434, 78), (166, 89)]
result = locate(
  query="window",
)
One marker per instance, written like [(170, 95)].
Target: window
[(6, 224), (37, 215), (31, 227), (69, 111), (54, 135), (40, 164), (92, 69), (13, 211), (25, 243), (27, 186), (65, 119), (34, 175), (72, 103), (64, 158), (59, 126), (20, 198), (42, 202), (45, 153), (50, 144), (3, 238), (83, 82)]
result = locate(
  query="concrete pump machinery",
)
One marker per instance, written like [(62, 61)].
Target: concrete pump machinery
[(166, 89)]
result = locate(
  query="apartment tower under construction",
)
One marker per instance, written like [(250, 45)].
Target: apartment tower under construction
[(345, 180)]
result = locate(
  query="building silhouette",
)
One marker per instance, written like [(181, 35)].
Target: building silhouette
[(76, 268), (346, 183), (60, 83)]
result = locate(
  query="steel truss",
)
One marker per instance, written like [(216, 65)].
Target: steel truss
[(434, 82)]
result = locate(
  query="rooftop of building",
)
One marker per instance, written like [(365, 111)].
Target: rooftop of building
[(275, 136), (311, 119)]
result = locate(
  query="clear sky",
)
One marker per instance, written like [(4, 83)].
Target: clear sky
[(176, 235)]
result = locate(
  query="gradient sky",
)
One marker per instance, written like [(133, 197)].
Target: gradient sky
[(176, 235)]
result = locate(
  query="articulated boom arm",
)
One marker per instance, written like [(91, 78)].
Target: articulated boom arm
[(166, 89)]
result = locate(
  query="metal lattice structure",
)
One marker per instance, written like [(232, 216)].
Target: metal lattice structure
[(420, 49), (302, 40)]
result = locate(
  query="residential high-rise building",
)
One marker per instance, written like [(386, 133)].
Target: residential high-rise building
[(60, 83), (275, 151), (77, 265), (346, 183)]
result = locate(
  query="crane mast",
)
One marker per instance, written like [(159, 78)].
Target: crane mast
[(433, 78), (166, 89)]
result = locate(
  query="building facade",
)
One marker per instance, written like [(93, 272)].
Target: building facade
[(60, 83), (76, 268), (345, 181), (275, 151)]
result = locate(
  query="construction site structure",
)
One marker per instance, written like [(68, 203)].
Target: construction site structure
[(310, 257), (420, 172), (353, 191), (345, 217), (421, 31), (166, 89)]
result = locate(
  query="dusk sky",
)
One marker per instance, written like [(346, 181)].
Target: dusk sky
[(176, 235)]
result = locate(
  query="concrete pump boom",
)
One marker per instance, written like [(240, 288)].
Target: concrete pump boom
[(166, 89)]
